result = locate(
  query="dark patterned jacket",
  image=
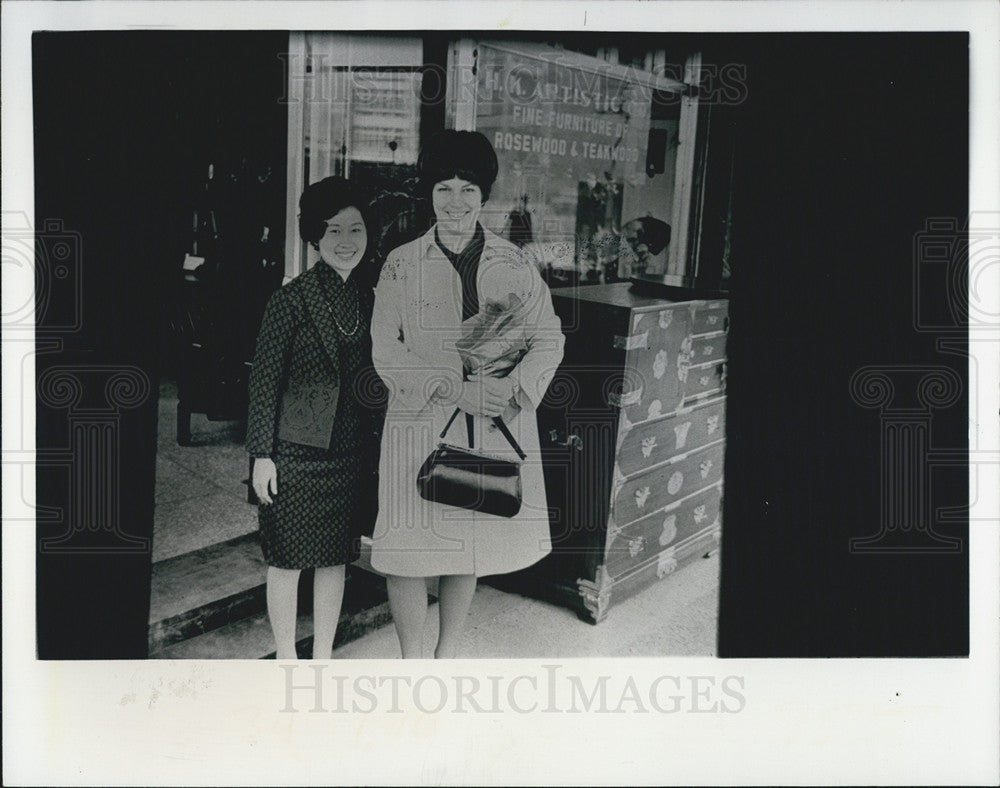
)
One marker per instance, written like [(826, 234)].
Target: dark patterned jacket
[(294, 382)]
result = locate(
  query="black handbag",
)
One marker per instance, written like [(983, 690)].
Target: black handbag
[(468, 479)]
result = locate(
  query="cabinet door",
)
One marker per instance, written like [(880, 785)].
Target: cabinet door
[(652, 384)]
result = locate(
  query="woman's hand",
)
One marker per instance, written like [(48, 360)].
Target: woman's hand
[(485, 396), (265, 479)]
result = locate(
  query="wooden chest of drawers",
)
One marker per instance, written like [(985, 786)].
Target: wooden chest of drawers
[(633, 441)]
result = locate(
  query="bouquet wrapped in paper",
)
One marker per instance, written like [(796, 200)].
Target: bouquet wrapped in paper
[(494, 340)]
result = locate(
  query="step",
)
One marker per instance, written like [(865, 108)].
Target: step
[(205, 589), (248, 638), (365, 609)]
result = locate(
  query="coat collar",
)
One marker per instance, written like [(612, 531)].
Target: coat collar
[(319, 311), (429, 246)]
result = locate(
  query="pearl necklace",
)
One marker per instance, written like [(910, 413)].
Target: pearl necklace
[(357, 320), (357, 309)]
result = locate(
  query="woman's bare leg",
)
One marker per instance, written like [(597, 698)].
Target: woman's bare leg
[(408, 605), (282, 599), (455, 594), (328, 595)]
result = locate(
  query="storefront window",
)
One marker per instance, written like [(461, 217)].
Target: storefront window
[(596, 155), (384, 117), (354, 111), (588, 159)]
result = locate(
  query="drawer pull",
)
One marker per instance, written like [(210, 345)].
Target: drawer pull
[(648, 444), (712, 422), (707, 350), (699, 514), (632, 342), (703, 380), (666, 563), (705, 467), (666, 318), (684, 359), (681, 434), (636, 546), (713, 319), (641, 496), (669, 530), (660, 364), (675, 482)]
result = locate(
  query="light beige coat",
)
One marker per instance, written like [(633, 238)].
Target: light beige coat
[(415, 324)]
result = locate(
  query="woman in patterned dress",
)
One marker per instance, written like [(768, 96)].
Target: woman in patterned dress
[(313, 424), (427, 290)]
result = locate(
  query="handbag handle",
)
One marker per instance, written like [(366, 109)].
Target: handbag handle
[(499, 424)]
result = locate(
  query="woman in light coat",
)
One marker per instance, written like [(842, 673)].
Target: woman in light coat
[(427, 288)]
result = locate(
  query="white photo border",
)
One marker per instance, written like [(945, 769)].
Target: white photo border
[(884, 721)]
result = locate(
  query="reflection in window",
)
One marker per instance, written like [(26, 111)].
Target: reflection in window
[(385, 116)]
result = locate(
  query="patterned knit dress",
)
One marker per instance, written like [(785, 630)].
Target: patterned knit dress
[(315, 515)]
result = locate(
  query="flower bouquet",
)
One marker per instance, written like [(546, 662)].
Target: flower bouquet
[(494, 340)]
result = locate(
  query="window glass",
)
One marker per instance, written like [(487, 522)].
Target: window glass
[(385, 116), (587, 161)]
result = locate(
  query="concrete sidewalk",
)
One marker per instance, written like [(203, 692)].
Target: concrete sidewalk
[(676, 617)]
